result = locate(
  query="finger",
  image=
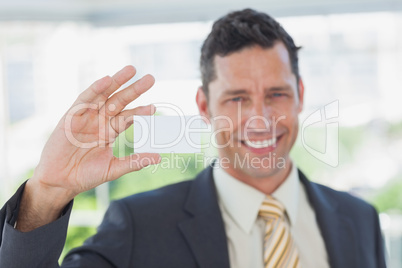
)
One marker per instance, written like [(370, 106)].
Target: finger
[(120, 78), (134, 162), (120, 100), (101, 89), (91, 94), (125, 119)]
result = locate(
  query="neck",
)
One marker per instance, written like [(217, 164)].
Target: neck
[(265, 184)]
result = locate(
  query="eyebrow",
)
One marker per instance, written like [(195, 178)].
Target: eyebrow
[(243, 91), (281, 88), (234, 92)]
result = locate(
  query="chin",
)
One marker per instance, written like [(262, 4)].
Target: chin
[(259, 173)]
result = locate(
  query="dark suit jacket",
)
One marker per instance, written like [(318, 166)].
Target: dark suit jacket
[(181, 226)]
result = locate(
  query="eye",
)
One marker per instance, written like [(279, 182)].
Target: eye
[(277, 95), (237, 99)]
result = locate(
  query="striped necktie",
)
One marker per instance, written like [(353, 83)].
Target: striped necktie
[(279, 247)]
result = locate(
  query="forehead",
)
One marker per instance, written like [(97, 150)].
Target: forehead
[(254, 62)]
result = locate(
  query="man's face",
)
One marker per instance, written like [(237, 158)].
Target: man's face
[(253, 106)]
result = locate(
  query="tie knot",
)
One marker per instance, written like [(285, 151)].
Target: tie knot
[(271, 208)]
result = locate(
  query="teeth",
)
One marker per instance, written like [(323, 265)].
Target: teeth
[(260, 144)]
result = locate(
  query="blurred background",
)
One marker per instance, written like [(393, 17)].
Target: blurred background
[(351, 61)]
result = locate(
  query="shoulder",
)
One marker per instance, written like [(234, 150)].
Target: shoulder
[(173, 194), (165, 193), (164, 198), (346, 202), (320, 193)]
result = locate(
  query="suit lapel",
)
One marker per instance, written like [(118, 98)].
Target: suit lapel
[(337, 229), (204, 231)]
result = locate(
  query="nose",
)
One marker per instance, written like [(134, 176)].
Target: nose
[(258, 117)]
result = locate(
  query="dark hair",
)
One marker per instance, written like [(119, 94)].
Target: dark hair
[(238, 30)]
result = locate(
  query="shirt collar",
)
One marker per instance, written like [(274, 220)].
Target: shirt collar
[(288, 194), (242, 202)]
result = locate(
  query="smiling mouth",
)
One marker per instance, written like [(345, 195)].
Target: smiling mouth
[(260, 144)]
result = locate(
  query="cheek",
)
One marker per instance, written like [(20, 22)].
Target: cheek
[(222, 129), (288, 109), (225, 122), (287, 121)]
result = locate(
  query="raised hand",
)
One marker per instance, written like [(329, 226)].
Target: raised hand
[(78, 155)]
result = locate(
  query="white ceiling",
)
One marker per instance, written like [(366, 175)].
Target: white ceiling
[(124, 12)]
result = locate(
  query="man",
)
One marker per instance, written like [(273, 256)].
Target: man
[(260, 213)]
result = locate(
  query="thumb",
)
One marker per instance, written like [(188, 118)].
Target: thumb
[(123, 165)]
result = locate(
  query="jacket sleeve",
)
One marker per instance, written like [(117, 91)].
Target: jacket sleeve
[(111, 246), (38, 248)]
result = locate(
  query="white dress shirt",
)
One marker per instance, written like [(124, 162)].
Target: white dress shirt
[(240, 203)]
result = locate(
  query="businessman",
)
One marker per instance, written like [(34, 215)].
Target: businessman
[(252, 208)]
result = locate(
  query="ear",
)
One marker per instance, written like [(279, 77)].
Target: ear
[(202, 104), (301, 95)]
